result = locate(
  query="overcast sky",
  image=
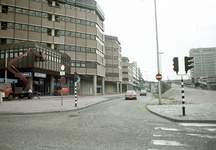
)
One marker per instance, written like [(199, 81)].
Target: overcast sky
[(182, 25)]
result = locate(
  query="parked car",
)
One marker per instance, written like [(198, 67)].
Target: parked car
[(143, 92), (131, 94), (58, 90)]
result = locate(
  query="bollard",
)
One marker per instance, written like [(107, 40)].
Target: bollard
[(183, 96), (75, 94), (0, 97)]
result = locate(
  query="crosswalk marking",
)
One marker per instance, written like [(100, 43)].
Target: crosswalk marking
[(203, 136), (167, 129), (165, 142), (198, 124)]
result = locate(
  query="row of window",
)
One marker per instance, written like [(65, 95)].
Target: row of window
[(57, 4), (17, 26), (112, 65), (58, 46), (112, 41), (111, 57), (58, 18), (112, 49), (83, 64), (110, 74)]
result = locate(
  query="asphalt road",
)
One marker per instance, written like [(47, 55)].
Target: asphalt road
[(112, 125)]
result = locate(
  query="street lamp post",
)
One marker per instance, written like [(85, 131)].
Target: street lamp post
[(160, 62), (159, 88)]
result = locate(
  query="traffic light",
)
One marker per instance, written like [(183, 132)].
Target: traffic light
[(188, 62), (75, 76), (175, 64)]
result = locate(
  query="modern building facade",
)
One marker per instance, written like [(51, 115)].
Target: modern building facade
[(204, 72), (127, 75), (204, 62), (71, 27), (113, 58)]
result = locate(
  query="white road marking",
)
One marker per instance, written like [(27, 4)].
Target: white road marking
[(211, 129), (167, 129), (198, 124), (157, 135), (203, 136), (164, 142)]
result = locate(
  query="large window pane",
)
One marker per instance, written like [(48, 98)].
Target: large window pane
[(24, 27), (31, 28), (10, 25), (67, 33), (44, 15), (62, 32), (38, 29), (32, 13), (25, 11), (18, 10), (11, 9), (44, 30), (18, 26), (77, 34), (78, 21), (67, 19), (38, 14), (73, 48), (83, 35), (72, 34)]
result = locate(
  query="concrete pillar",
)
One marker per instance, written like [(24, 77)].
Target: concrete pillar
[(53, 3), (121, 87), (117, 84), (51, 85), (103, 86), (53, 31), (53, 18), (94, 85), (30, 80)]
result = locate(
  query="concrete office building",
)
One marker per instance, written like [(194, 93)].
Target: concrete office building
[(113, 79), (204, 71), (127, 75), (204, 62), (71, 28)]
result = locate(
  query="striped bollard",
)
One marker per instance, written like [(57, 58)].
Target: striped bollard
[(75, 93), (183, 96)]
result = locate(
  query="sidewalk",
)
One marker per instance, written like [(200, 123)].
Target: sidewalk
[(47, 104), (194, 113)]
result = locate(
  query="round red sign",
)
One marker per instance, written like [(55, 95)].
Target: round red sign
[(158, 76), (62, 80)]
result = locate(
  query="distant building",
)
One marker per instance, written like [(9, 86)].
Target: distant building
[(204, 72), (204, 62)]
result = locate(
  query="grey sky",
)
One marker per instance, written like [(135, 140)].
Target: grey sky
[(182, 25)]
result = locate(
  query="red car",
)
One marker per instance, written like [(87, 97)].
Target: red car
[(58, 90), (131, 94)]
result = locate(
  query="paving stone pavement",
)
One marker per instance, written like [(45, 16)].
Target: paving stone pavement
[(197, 113)]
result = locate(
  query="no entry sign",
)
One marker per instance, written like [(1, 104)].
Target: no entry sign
[(158, 76)]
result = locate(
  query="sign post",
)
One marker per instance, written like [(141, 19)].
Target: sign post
[(62, 80), (159, 77)]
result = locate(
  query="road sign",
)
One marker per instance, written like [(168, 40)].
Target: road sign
[(62, 73), (62, 67), (158, 76), (62, 80)]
